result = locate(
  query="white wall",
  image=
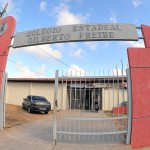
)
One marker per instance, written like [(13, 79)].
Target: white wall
[(109, 101), (16, 91)]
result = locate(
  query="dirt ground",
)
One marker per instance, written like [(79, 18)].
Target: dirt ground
[(120, 124), (15, 115)]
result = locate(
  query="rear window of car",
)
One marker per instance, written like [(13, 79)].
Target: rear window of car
[(38, 98)]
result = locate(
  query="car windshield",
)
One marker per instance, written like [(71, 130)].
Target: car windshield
[(35, 98)]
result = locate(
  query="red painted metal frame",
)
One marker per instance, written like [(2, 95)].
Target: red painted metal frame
[(139, 64), (5, 41)]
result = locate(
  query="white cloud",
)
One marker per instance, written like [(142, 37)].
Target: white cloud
[(79, 53), (13, 8), (105, 44), (69, 1), (74, 70), (25, 72), (72, 45), (119, 72), (73, 50), (43, 6), (48, 49), (136, 3), (59, 45), (134, 44), (113, 19), (92, 45), (38, 51), (65, 16)]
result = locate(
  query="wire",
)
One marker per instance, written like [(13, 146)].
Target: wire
[(55, 58), (3, 11), (37, 63), (60, 60), (27, 67), (33, 58)]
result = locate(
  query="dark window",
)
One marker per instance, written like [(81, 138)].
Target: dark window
[(38, 98), (29, 98)]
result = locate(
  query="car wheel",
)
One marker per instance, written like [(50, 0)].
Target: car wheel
[(23, 107), (29, 109), (46, 112)]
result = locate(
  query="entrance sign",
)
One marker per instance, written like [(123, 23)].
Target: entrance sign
[(74, 33)]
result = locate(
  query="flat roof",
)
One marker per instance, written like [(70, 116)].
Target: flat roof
[(31, 79), (70, 79)]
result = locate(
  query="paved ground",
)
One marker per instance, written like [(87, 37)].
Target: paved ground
[(92, 125), (37, 135), (34, 135)]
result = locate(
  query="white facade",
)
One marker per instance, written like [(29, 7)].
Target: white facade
[(17, 89)]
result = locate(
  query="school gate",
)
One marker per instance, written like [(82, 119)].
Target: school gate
[(78, 122), (139, 70)]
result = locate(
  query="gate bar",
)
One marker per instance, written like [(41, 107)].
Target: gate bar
[(4, 96), (93, 119), (95, 77), (129, 107), (91, 133), (55, 106), (2, 101)]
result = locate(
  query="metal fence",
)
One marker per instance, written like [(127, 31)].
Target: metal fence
[(2, 100), (76, 99)]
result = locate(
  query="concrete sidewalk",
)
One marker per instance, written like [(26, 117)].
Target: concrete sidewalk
[(37, 135)]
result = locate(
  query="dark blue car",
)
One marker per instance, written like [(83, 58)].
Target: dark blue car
[(34, 103)]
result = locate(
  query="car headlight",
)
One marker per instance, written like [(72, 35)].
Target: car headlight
[(48, 104)]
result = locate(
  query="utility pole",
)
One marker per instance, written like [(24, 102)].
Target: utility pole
[(3, 11)]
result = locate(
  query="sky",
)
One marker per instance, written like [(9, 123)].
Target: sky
[(73, 58)]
